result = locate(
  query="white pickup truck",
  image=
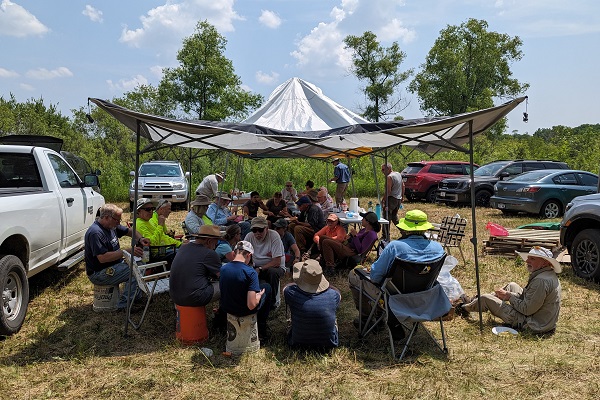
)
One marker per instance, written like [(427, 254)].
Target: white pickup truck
[(45, 210)]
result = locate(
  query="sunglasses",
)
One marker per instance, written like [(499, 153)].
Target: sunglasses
[(288, 185), (149, 209), (257, 230)]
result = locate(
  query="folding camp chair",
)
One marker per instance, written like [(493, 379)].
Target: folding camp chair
[(148, 284), (451, 233), (353, 261), (409, 290)]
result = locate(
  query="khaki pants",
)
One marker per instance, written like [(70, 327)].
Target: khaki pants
[(369, 290), (497, 307), (304, 237), (340, 191)]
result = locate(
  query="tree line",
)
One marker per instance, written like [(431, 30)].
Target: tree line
[(466, 69)]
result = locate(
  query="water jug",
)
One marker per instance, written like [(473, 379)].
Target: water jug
[(378, 211)]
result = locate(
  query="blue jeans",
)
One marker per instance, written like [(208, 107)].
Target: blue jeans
[(120, 273), (263, 308)]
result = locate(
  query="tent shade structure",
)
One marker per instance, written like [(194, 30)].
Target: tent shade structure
[(429, 135)]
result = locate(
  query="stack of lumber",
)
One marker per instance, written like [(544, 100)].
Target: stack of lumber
[(521, 240)]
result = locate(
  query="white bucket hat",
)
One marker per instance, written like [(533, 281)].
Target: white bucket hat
[(542, 252)]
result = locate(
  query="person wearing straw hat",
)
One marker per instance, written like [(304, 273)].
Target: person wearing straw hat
[(313, 304), (197, 217), (195, 270), (412, 246), (241, 292), (209, 185), (220, 214), (536, 306)]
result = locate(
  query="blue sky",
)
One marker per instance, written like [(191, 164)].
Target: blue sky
[(66, 50)]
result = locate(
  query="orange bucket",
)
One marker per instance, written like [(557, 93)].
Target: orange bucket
[(191, 324)]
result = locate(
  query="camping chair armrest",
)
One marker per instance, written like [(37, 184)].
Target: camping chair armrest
[(366, 277), (144, 267), (158, 275)]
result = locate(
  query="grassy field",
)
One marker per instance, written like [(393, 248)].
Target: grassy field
[(66, 350)]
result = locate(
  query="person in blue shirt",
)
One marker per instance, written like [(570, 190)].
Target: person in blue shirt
[(412, 246), (341, 176), (218, 212)]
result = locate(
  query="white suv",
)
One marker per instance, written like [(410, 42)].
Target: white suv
[(161, 180)]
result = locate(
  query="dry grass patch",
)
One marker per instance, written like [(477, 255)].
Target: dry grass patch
[(65, 350)]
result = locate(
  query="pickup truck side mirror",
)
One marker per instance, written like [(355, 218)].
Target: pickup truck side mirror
[(91, 180), (131, 173), (187, 174), (98, 172)]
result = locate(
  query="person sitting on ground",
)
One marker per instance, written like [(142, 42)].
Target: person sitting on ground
[(276, 208), (412, 246), (251, 206), (210, 185), (196, 217), (233, 234), (309, 222), (308, 186), (194, 280), (160, 215), (332, 230), (290, 196), (292, 252), (268, 256), (154, 232), (219, 213), (241, 292), (104, 263), (313, 304), (536, 306), (325, 202), (356, 242)]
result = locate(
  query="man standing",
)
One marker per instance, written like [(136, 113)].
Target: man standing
[(536, 306), (241, 292), (313, 304), (209, 185), (104, 262), (391, 202), (194, 277), (341, 176), (310, 221), (412, 246), (268, 256)]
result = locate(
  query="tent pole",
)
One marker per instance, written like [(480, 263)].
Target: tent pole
[(351, 179), (474, 238), (189, 200), (133, 228), (375, 176), (226, 167)]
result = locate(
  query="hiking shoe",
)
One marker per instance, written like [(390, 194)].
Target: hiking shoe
[(459, 310)]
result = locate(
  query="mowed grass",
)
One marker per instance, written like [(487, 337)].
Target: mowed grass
[(66, 350)]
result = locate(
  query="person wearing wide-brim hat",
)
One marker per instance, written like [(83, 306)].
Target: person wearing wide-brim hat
[(313, 303), (195, 270), (220, 214), (197, 217), (536, 306), (413, 246)]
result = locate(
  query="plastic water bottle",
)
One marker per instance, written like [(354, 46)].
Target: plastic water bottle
[(344, 206), (146, 254), (370, 206), (378, 211)]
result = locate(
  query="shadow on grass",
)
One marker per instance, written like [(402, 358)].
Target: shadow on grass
[(51, 278)]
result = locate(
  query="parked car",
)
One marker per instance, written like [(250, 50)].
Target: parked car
[(544, 192), (580, 233), (161, 180), (458, 190), (421, 179)]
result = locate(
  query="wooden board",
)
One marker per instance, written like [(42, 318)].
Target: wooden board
[(521, 240)]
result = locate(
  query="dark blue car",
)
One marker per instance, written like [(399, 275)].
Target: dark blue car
[(543, 192)]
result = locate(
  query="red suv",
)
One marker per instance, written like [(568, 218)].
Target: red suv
[(421, 178)]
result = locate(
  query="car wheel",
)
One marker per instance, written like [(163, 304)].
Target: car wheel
[(431, 194), (15, 294), (551, 209), (585, 254), (482, 198)]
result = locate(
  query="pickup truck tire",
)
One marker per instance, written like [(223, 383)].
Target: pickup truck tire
[(551, 209), (585, 254), (15, 294), (482, 198)]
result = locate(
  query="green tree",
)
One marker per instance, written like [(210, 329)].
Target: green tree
[(378, 66), (205, 84), (466, 68)]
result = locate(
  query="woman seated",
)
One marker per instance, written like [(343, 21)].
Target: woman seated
[(276, 208), (332, 230), (224, 249), (197, 215), (356, 242)]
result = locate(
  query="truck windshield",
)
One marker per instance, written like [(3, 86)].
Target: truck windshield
[(149, 170)]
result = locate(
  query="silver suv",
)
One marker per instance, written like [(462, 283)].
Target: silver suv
[(161, 180), (580, 233)]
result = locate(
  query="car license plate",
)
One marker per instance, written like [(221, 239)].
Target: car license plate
[(442, 194), (501, 205)]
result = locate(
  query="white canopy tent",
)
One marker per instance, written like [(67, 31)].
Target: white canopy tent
[(299, 121)]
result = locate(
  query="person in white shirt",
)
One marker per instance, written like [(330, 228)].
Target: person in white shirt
[(209, 185)]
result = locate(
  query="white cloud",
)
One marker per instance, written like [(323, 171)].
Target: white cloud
[(269, 19), (166, 25), (265, 78), (4, 73), (93, 14), (17, 21), (27, 87), (394, 30), (124, 85), (157, 71), (45, 74)]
